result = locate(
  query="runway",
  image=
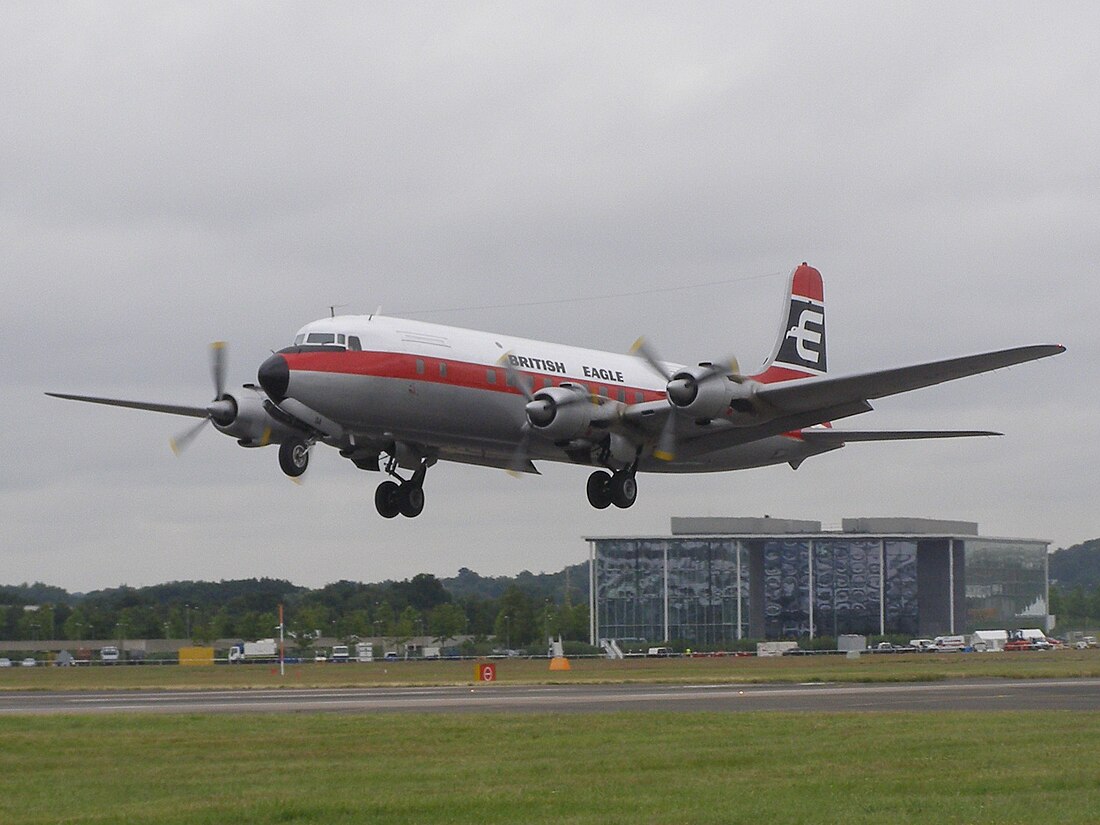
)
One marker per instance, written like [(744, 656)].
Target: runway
[(962, 695)]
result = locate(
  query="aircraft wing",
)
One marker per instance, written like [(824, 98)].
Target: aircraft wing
[(806, 402), (818, 393), (172, 409), (843, 437)]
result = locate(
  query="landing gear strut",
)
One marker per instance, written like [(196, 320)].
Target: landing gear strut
[(605, 489), (403, 497)]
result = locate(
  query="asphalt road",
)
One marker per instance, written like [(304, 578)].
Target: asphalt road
[(964, 695)]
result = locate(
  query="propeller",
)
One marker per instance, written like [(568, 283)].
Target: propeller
[(681, 388), (223, 409), (537, 410)]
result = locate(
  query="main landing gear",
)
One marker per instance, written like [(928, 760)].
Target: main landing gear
[(605, 489), (401, 497), (294, 457)]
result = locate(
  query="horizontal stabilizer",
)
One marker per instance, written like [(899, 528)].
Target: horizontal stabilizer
[(842, 437), (171, 409)]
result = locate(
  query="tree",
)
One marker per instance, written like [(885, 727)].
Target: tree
[(423, 592), (515, 623), (446, 622), (407, 625)]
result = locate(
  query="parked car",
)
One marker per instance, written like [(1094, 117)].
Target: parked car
[(30, 661), (1086, 642), (5, 662)]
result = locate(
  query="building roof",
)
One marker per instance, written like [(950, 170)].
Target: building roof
[(740, 527)]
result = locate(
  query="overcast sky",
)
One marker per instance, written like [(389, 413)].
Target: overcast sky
[(175, 174)]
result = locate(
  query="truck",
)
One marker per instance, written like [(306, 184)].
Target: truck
[(254, 651), (109, 655), (340, 654), (364, 652), (1030, 639)]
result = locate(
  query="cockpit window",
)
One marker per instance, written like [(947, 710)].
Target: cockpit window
[(321, 338), (353, 343), (299, 339)]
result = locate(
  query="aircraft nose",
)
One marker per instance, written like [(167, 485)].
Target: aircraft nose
[(274, 377)]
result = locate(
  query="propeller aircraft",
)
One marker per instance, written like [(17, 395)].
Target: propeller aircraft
[(396, 395)]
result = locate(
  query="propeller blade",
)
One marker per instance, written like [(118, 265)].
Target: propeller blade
[(515, 377), (217, 367), (666, 442), (181, 441), (642, 349), (519, 460)]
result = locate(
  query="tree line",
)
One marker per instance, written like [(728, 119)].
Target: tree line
[(518, 612)]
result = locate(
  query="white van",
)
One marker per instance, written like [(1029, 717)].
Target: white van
[(947, 644), (109, 655)]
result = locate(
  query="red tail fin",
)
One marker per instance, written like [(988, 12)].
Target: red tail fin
[(800, 350)]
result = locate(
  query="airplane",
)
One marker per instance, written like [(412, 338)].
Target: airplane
[(396, 395)]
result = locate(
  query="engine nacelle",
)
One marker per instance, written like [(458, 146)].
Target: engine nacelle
[(566, 412), (703, 394), (245, 419)]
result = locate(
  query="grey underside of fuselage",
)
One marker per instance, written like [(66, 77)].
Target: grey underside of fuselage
[(475, 426)]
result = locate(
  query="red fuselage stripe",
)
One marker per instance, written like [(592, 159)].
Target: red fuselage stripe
[(406, 367)]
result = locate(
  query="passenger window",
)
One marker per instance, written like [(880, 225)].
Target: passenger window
[(621, 395), (546, 382), (442, 369), (354, 344), (638, 397), (491, 376), (602, 391), (419, 366)]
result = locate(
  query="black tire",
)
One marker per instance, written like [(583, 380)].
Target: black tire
[(624, 490), (293, 457), (410, 499), (599, 490), (386, 499)]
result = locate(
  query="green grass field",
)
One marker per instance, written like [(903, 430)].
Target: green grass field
[(578, 768), (868, 668), (600, 768)]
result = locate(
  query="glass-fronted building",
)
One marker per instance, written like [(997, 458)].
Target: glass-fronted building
[(715, 580)]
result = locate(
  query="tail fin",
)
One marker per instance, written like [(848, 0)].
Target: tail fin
[(800, 350)]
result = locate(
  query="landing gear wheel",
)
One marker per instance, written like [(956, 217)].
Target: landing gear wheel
[(410, 499), (599, 490), (386, 499), (624, 490), (293, 457)]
